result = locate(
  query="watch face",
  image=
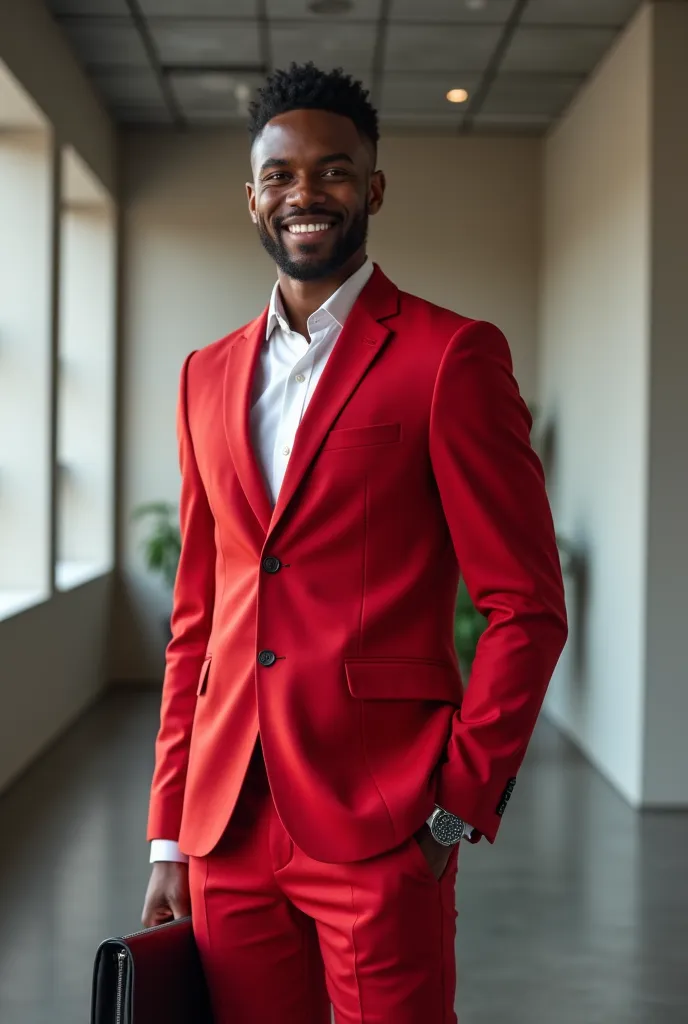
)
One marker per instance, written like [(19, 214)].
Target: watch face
[(447, 828)]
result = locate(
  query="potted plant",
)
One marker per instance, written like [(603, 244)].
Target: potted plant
[(162, 543)]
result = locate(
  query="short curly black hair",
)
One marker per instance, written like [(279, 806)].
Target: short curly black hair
[(305, 87)]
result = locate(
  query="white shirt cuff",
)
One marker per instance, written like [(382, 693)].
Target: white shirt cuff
[(167, 849)]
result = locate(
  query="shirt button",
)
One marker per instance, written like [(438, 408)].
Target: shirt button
[(271, 564), (300, 378), (286, 450), (267, 658)]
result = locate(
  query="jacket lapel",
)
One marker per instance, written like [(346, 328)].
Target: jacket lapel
[(242, 363), (361, 340)]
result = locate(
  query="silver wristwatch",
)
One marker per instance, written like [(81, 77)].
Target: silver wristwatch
[(446, 828)]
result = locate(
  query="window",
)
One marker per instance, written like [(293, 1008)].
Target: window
[(26, 232), (86, 377)]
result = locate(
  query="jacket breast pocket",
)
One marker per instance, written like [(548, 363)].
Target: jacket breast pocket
[(203, 677), (359, 437)]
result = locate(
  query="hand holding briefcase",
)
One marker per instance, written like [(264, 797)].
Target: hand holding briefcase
[(150, 977)]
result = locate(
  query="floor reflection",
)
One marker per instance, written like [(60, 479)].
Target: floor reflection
[(575, 916)]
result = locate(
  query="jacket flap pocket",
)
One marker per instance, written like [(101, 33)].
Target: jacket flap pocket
[(354, 437), (203, 677), (403, 679)]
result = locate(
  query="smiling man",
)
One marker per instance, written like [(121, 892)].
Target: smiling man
[(344, 458)]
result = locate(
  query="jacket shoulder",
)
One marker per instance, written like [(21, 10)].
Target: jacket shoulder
[(208, 362), (437, 320), (206, 357)]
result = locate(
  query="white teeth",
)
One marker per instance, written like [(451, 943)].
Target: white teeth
[(301, 229)]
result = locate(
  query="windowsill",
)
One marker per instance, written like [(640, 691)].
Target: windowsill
[(69, 575), (12, 602)]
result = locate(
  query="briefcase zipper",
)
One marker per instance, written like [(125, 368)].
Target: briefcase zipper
[(121, 958)]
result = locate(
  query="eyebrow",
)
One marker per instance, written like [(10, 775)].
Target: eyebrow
[(334, 158), (273, 162), (331, 158)]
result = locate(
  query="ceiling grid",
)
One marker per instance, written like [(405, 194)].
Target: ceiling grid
[(197, 62)]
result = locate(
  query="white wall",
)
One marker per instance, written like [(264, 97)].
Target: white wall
[(51, 661), (460, 227), (594, 359), (35, 50), (666, 757)]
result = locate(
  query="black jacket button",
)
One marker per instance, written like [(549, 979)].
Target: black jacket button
[(271, 564), (267, 658)]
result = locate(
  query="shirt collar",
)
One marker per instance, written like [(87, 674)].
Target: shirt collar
[(337, 307)]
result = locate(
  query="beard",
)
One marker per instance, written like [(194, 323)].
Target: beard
[(353, 239)]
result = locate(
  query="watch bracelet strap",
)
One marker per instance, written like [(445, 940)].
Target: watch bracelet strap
[(468, 830)]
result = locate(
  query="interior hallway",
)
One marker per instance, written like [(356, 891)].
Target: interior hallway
[(576, 916)]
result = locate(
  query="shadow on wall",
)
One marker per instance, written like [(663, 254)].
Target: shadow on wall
[(135, 645)]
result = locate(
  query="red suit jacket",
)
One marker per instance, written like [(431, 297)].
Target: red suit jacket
[(326, 624)]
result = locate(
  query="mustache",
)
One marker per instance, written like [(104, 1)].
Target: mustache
[(312, 211)]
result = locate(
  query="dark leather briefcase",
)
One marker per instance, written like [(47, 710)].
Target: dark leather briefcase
[(150, 977)]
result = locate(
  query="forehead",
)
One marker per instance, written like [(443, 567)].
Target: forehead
[(305, 135)]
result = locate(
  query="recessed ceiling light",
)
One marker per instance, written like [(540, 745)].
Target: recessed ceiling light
[(476, 5), (330, 6), (457, 95)]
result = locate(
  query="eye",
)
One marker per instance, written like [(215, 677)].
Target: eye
[(277, 176), (334, 172)]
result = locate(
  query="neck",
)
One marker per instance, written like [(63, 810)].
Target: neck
[(302, 298)]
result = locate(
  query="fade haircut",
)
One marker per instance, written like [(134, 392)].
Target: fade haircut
[(305, 87)]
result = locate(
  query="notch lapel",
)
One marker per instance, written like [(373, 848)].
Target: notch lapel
[(362, 339), (242, 361)]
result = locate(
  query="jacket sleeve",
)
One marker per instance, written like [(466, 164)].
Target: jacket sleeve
[(192, 613), (493, 494)]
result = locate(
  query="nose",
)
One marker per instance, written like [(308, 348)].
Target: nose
[(306, 192)]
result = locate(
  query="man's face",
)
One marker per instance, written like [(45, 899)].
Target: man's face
[(314, 187)]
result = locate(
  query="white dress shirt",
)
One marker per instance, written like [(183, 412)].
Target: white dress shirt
[(286, 376)]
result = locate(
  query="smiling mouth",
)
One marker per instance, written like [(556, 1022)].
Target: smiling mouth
[(308, 231)]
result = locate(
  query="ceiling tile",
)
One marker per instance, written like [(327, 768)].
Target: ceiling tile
[(206, 42), (495, 124), (130, 87), (427, 48), (493, 11), (330, 45), (93, 8), (200, 8), (106, 42), (580, 12), (561, 50), (531, 95), (426, 93), (150, 113), (214, 96), (363, 10)]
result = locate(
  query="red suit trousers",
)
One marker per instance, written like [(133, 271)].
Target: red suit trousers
[(283, 937)]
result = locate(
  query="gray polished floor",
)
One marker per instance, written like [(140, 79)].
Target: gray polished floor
[(577, 915)]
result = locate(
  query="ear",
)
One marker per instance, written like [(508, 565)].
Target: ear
[(376, 192), (251, 197)]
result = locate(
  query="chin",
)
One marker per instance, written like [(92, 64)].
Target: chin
[(308, 269)]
